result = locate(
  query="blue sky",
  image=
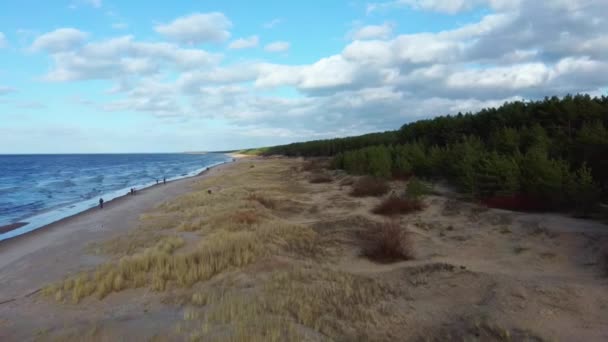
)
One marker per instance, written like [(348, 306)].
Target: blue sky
[(116, 76)]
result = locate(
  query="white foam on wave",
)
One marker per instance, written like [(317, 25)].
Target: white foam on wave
[(43, 219)]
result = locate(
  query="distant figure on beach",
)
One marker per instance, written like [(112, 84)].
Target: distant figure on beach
[(101, 203), (164, 180), (157, 181)]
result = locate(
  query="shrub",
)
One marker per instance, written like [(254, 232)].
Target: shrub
[(387, 242), (394, 205), (320, 178), (416, 189), (369, 186)]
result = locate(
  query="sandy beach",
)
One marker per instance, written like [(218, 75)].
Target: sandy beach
[(29, 260), (276, 253)]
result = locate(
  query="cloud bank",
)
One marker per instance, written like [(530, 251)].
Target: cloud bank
[(380, 79)]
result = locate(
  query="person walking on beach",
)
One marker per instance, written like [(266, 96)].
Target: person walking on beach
[(157, 181), (164, 180), (101, 203)]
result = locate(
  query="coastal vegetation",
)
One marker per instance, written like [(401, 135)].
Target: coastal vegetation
[(538, 155), (268, 255), (361, 244)]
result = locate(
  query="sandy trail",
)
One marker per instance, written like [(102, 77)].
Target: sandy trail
[(29, 261)]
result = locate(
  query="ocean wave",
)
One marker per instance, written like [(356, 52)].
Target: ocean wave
[(51, 198)]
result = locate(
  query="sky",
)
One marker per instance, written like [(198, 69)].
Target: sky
[(95, 76)]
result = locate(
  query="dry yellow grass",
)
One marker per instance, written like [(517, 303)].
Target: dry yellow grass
[(240, 223)]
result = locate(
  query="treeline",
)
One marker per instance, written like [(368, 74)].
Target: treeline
[(549, 154), (331, 147), (530, 181)]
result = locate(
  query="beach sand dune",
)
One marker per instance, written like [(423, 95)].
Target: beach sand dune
[(276, 251)]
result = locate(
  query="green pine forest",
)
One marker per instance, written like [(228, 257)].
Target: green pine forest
[(540, 155)]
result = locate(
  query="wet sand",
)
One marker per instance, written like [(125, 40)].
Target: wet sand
[(30, 260), (7, 228)]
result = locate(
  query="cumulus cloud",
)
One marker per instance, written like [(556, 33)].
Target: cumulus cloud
[(245, 43), (278, 46), (121, 57), (197, 28), (62, 39), (373, 32), (522, 50)]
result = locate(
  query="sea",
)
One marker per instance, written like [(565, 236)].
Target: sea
[(41, 189)]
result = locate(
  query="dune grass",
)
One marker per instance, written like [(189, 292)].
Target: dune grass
[(290, 303), (199, 239)]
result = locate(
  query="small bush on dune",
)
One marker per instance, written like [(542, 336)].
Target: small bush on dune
[(320, 178), (369, 186), (416, 189), (387, 242), (394, 205)]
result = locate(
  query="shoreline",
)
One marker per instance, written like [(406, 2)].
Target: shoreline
[(12, 227), (107, 221)]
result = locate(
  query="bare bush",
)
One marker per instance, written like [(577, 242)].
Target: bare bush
[(387, 242), (369, 186), (394, 205)]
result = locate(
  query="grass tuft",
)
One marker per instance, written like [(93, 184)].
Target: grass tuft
[(387, 242), (369, 186)]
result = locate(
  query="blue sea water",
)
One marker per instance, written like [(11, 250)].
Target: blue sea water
[(41, 189)]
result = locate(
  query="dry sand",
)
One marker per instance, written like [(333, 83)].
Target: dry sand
[(30, 260), (479, 274)]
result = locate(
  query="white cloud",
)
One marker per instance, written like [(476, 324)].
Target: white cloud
[(278, 46), (3, 41), (197, 28), (124, 57), (62, 39), (378, 81), (373, 32), (245, 43)]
